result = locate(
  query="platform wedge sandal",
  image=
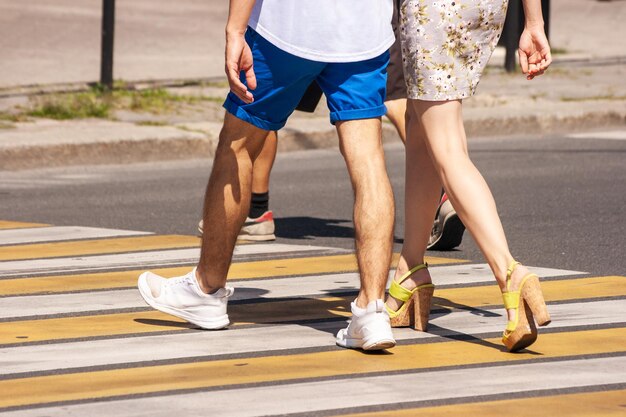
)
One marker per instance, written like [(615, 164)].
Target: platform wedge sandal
[(529, 307), (416, 308)]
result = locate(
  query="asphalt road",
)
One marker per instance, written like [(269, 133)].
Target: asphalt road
[(561, 199)]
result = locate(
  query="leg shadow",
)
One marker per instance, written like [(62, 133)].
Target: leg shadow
[(307, 228)]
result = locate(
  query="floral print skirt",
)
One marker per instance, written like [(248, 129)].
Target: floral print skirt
[(446, 45)]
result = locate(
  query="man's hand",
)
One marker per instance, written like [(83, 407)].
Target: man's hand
[(239, 58), (534, 52)]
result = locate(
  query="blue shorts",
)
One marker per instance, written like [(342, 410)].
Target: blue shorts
[(354, 90)]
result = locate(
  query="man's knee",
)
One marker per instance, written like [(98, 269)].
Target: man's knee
[(360, 139), (240, 138)]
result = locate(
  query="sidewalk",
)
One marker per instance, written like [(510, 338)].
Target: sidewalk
[(583, 90), (569, 98)]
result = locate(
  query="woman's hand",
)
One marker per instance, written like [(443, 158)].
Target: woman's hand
[(534, 51)]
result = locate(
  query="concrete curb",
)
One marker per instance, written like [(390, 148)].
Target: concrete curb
[(545, 124), (123, 151), (47, 143), (305, 134)]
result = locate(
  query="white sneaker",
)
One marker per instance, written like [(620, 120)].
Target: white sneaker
[(182, 297), (369, 328)]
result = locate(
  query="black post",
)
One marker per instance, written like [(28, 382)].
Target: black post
[(108, 32), (545, 9), (511, 37)]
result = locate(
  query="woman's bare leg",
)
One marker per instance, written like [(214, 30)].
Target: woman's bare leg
[(444, 138), (422, 191)]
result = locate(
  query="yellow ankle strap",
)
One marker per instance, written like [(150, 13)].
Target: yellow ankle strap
[(412, 271), (514, 264), (397, 291), (511, 298)]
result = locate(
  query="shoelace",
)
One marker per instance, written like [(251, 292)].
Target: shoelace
[(179, 280)]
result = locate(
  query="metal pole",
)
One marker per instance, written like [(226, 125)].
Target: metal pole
[(512, 26), (545, 8), (108, 32)]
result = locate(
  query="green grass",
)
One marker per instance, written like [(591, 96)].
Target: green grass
[(72, 106), (151, 123), (11, 117), (188, 129), (156, 100), (215, 84), (559, 51), (100, 103)]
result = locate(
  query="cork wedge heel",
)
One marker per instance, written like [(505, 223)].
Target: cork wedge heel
[(416, 308), (530, 308)]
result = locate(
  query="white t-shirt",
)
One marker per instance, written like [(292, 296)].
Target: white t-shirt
[(326, 30)]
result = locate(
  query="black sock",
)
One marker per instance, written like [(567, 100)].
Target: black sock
[(260, 204)]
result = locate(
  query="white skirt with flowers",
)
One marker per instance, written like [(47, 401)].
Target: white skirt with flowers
[(446, 45)]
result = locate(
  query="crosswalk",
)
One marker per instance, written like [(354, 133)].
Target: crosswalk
[(76, 339)]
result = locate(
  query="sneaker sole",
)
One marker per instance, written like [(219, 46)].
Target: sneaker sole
[(378, 344), (213, 324), (257, 238), (358, 344), (254, 238), (453, 229)]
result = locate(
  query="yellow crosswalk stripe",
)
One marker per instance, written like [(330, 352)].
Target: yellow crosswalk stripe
[(155, 321), (5, 224), (132, 381), (588, 404), (97, 247), (25, 331), (313, 265)]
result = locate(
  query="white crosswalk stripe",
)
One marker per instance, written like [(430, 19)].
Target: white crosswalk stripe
[(315, 285), (52, 234), (134, 260)]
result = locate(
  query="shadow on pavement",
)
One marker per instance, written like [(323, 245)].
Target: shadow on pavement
[(308, 228), (444, 306)]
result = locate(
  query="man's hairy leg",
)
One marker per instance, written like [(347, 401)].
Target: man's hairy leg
[(361, 146), (227, 199), (263, 165)]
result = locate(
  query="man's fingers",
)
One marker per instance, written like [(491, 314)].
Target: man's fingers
[(535, 58), (547, 59), (237, 87), (251, 78), (243, 94), (233, 80)]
